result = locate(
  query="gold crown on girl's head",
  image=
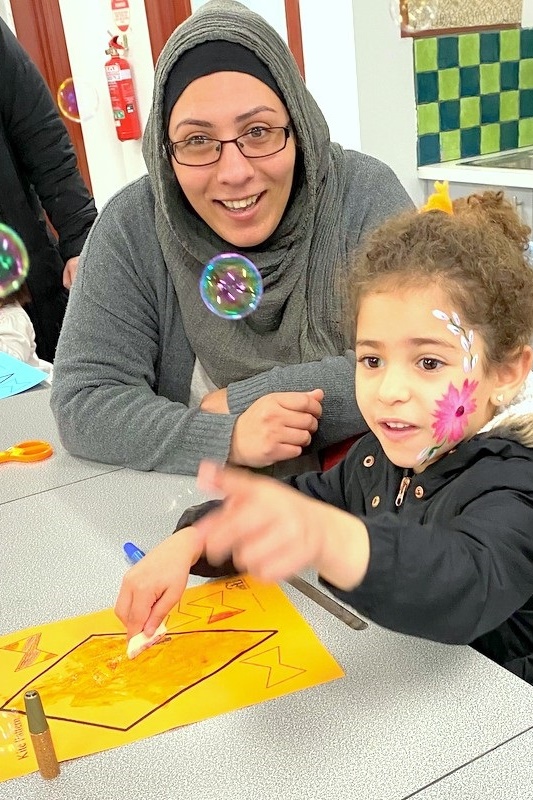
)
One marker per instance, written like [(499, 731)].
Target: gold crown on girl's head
[(440, 199)]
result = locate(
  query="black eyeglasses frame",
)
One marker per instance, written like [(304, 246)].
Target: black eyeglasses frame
[(169, 147)]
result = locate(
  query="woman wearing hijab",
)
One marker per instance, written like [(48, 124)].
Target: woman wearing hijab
[(239, 160)]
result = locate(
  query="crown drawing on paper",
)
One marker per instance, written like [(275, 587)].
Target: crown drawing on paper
[(440, 199)]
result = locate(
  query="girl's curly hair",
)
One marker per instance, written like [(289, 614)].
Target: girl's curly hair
[(477, 255)]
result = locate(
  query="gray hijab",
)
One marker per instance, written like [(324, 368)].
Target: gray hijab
[(298, 319)]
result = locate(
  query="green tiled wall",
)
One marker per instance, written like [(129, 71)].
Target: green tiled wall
[(474, 94)]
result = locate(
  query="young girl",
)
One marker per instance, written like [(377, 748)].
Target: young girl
[(426, 527), (17, 335)]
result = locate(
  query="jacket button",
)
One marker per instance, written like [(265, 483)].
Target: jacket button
[(419, 492), (368, 461), (375, 501)]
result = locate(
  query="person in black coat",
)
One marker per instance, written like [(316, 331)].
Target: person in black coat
[(426, 527), (39, 178)]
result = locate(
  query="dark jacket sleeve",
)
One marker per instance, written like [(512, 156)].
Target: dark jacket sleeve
[(449, 582), (202, 566), (42, 146)]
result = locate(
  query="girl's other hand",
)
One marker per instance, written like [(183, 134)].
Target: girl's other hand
[(151, 589)]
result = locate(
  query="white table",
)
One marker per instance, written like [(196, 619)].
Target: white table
[(28, 416), (407, 714), (502, 774)]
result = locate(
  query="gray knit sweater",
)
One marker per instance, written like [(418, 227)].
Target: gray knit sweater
[(136, 324), (123, 368)]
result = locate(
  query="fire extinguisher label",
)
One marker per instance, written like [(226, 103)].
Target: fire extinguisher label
[(116, 74)]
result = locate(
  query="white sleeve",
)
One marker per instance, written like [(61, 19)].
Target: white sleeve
[(16, 333)]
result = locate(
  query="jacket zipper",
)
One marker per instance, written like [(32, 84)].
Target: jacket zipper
[(404, 485)]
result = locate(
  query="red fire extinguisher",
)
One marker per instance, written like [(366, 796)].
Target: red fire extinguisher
[(122, 93)]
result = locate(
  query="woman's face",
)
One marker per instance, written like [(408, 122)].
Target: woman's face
[(241, 199)]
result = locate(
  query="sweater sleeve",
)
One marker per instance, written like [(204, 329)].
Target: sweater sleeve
[(449, 582), (106, 373), (42, 146), (341, 417)]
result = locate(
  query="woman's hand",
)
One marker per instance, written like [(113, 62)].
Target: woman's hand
[(273, 531), (275, 428), (215, 402), (69, 272), (155, 584)]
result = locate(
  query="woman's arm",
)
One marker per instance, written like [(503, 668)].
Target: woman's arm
[(123, 365), (340, 418)]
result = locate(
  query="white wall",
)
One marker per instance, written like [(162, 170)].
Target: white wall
[(527, 13), (112, 163), (386, 91), (330, 67), (357, 67), (329, 59), (6, 14)]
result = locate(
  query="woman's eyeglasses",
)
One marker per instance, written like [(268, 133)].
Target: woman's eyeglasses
[(200, 151)]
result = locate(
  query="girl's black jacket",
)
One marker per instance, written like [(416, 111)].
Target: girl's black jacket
[(451, 557)]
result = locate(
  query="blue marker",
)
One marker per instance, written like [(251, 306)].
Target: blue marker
[(133, 554)]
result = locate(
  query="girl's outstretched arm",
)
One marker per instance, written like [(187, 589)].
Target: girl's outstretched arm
[(272, 531)]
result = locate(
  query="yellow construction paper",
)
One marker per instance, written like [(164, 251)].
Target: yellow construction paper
[(231, 643)]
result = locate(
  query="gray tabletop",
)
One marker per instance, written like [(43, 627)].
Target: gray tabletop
[(407, 714), (28, 416), (505, 773)]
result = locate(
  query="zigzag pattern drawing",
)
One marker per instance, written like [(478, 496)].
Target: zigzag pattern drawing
[(16, 376)]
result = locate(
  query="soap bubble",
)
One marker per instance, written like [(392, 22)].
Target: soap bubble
[(77, 103), (414, 15), (14, 261), (231, 286)]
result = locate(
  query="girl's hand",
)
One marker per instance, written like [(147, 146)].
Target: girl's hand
[(273, 531), (155, 584)]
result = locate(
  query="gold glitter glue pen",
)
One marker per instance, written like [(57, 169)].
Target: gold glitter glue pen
[(41, 737)]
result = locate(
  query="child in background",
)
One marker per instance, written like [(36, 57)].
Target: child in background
[(17, 335), (426, 526)]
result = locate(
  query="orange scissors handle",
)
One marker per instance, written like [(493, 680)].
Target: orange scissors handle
[(33, 450)]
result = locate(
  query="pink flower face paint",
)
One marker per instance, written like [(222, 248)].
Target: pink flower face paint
[(454, 407), (451, 418)]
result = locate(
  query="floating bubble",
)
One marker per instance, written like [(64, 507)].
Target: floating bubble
[(414, 15), (77, 103), (231, 286), (14, 261)]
